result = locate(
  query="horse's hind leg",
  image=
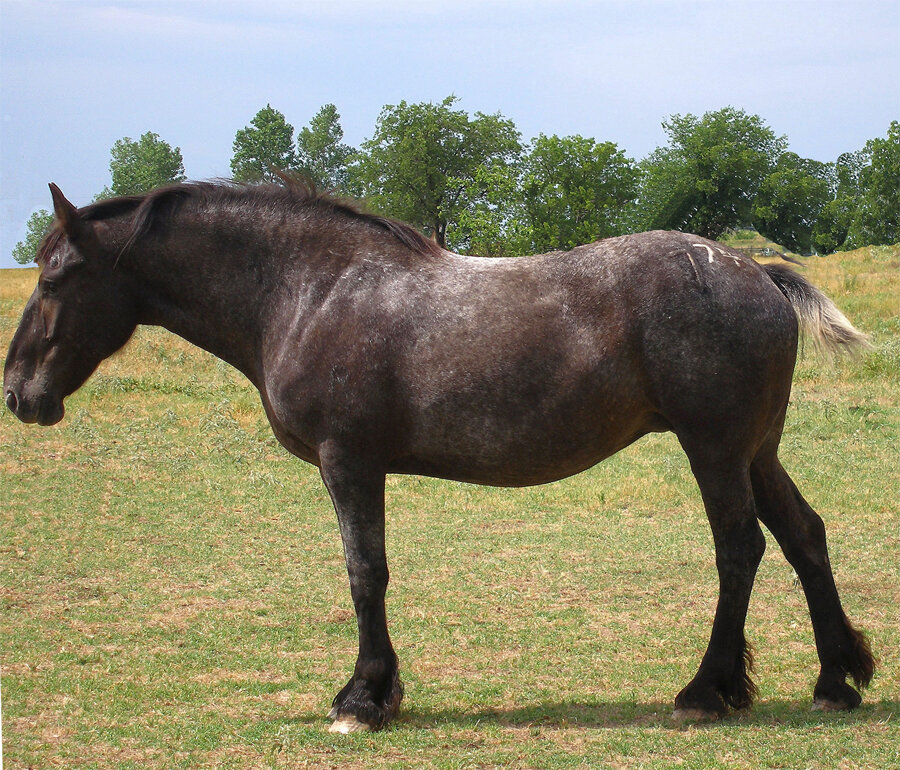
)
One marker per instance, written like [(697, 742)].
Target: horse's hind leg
[(843, 651), (723, 679)]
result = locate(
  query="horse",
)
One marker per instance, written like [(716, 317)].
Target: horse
[(377, 352)]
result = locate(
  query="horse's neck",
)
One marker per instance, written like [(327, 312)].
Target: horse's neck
[(213, 297)]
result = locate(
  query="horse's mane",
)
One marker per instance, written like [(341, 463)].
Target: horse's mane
[(153, 209)]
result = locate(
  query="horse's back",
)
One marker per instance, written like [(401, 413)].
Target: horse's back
[(525, 370), (542, 366)]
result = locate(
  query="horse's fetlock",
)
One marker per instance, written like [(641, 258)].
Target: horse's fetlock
[(375, 669)]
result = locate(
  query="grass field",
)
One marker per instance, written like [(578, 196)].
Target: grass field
[(174, 596)]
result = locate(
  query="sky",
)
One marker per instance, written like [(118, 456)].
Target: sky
[(76, 75)]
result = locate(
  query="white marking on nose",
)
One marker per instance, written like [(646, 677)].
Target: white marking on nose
[(708, 249)]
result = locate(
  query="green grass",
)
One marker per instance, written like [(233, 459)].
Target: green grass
[(173, 591), (750, 239)]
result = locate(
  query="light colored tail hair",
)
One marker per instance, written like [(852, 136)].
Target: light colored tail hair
[(820, 321)]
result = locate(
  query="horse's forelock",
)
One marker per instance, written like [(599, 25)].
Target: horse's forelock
[(49, 244)]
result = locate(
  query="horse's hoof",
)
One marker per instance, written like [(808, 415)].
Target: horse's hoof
[(840, 697), (694, 715), (823, 704), (347, 724)]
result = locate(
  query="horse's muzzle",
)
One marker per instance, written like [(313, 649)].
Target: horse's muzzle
[(47, 411)]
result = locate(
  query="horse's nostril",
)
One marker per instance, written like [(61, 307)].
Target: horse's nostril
[(11, 401)]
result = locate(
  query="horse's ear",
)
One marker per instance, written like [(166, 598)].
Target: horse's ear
[(66, 214)]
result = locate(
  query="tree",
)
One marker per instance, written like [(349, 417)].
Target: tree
[(36, 228), (575, 190), (422, 162), (150, 162), (263, 147), (705, 180), (877, 218), (790, 201), (836, 216), (495, 223), (320, 153)]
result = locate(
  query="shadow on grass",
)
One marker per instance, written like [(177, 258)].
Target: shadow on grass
[(617, 715)]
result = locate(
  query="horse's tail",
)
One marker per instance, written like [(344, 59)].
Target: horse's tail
[(820, 320)]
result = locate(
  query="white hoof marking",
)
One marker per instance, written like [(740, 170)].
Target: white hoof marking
[(827, 705), (694, 715), (348, 724)]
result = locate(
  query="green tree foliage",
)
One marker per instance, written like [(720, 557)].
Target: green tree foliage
[(36, 228), (495, 224), (576, 190), (833, 225), (320, 153), (142, 165), (704, 181), (468, 181), (263, 147), (790, 201), (422, 162), (877, 217)]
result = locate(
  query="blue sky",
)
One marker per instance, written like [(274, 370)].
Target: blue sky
[(75, 75)]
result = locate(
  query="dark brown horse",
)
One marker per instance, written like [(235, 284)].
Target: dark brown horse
[(376, 352)]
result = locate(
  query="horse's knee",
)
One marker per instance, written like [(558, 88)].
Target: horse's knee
[(740, 552)]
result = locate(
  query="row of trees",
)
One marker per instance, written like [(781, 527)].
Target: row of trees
[(472, 184)]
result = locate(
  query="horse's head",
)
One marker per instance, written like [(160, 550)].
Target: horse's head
[(81, 311)]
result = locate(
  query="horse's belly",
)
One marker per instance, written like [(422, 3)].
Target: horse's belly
[(532, 448)]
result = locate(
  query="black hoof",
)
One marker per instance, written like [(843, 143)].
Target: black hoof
[(698, 704), (836, 697), (356, 708)]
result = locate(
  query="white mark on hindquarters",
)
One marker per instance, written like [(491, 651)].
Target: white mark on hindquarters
[(737, 260), (708, 249), (694, 265)]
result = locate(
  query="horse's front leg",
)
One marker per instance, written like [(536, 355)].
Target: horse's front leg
[(372, 696)]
